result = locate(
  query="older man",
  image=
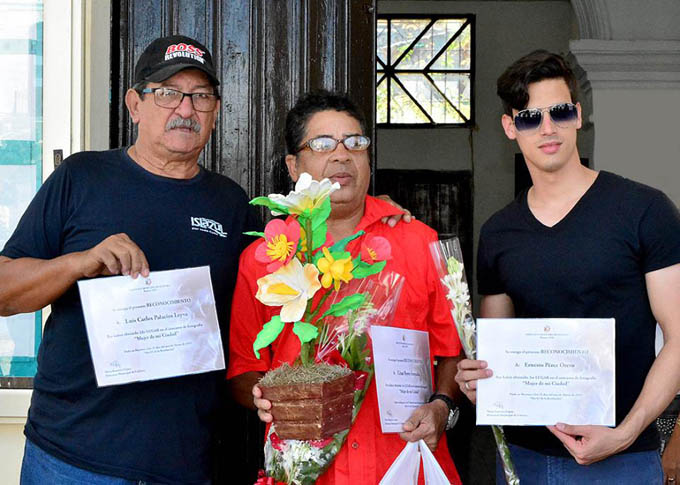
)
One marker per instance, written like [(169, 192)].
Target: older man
[(325, 138), (125, 212)]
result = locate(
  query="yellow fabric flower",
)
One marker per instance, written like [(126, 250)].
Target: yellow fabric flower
[(280, 248), (334, 270), (290, 287)]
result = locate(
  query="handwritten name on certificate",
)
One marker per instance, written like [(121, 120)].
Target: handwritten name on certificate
[(403, 377), (152, 328), (546, 371)]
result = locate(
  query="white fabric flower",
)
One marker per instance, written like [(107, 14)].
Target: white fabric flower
[(458, 291), (308, 194)]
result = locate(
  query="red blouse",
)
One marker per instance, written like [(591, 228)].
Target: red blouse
[(367, 453)]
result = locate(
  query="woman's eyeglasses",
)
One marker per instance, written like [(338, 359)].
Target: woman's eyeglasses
[(323, 144)]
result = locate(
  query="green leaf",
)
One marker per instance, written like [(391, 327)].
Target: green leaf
[(364, 269), (265, 201), (268, 334), (340, 245), (336, 255), (318, 236), (348, 303), (321, 213), (304, 218), (305, 331), (254, 233)]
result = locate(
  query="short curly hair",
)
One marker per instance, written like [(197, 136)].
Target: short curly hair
[(311, 103)]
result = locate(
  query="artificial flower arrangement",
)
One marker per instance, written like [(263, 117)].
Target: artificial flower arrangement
[(331, 298), (448, 259)]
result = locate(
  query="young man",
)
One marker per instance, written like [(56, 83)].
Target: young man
[(581, 243)]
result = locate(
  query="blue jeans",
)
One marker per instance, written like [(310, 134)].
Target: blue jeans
[(41, 468), (624, 469)]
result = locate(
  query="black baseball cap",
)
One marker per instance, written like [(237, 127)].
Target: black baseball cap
[(166, 56)]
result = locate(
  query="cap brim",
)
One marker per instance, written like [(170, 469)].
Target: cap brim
[(169, 71)]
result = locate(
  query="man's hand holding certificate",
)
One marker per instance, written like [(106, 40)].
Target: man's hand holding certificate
[(546, 371), (161, 326)]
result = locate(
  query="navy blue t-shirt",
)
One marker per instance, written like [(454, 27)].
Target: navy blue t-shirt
[(591, 264), (159, 430)]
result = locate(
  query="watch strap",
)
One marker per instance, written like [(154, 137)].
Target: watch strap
[(449, 402), (454, 411)]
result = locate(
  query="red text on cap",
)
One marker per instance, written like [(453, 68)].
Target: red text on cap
[(181, 47)]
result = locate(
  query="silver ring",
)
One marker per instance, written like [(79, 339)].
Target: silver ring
[(467, 387)]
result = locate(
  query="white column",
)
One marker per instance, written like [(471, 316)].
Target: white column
[(635, 88)]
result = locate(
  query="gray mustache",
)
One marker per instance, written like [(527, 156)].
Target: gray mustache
[(182, 123)]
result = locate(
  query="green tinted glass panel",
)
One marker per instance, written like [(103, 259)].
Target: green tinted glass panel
[(21, 59)]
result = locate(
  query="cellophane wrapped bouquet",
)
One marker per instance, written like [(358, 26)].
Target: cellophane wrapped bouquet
[(448, 259), (331, 298)]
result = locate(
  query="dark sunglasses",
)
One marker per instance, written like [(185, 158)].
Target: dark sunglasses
[(562, 114)]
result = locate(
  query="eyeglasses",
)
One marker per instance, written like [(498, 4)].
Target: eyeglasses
[(171, 98), (324, 144), (562, 114)]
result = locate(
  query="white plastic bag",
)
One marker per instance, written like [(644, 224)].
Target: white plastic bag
[(434, 475), (404, 470)]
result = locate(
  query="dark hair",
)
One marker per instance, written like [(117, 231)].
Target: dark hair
[(311, 103), (513, 85)]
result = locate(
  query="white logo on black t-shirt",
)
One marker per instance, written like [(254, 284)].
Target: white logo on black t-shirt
[(207, 225)]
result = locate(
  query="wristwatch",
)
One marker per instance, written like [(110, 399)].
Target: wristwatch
[(454, 411)]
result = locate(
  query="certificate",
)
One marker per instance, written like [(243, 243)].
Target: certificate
[(546, 371), (161, 326), (403, 377)]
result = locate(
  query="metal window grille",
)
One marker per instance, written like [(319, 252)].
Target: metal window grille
[(424, 70)]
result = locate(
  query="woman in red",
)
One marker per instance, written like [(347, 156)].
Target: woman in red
[(325, 138)]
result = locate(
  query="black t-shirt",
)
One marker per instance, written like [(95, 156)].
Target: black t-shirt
[(591, 264), (160, 430)]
